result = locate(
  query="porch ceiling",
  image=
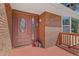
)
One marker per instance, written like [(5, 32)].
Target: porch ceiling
[(39, 8)]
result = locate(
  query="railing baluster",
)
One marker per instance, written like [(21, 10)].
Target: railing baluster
[(74, 40), (65, 39), (68, 39), (78, 42), (71, 40), (62, 38)]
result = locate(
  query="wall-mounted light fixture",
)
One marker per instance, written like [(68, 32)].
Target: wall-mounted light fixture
[(40, 20)]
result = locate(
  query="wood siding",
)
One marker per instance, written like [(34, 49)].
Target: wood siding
[(52, 29), (5, 41), (49, 28), (42, 29), (9, 17), (53, 20)]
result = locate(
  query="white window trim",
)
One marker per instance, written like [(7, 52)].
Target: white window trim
[(70, 24), (61, 23)]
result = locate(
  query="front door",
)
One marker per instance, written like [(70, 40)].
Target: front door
[(22, 29)]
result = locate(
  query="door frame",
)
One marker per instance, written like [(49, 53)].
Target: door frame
[(31, 15)]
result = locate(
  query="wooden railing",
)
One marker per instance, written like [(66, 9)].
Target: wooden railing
[(70, 40)]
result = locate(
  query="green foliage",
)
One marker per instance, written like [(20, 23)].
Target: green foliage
[(74, 25)]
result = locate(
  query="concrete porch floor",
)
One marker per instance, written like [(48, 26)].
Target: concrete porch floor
[(36, 51)]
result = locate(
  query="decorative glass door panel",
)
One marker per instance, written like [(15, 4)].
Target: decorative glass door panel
[(22, 24), (33, 28)]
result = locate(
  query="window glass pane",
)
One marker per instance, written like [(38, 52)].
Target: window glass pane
[(66, 20), (75, 25), (77, 8), (66, 28)]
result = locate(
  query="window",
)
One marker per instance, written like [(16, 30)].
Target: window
[(66, 24), (70, 25)]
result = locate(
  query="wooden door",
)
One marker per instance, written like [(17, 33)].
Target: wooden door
[(22, 29)]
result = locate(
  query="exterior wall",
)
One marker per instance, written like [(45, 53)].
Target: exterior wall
[(36, 31), (42, 29), (9, 17), (51, 35), (5, 42), (52, 20), (49, 28), (52, 29)]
